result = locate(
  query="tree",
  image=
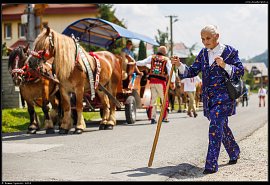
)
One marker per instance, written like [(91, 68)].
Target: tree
[(142, 51), (191, 58), (162, 39), (192, 48), (106, 12), (249, 79)]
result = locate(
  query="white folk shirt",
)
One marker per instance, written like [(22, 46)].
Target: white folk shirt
[(262, 92), (190, 83), (212, 54)]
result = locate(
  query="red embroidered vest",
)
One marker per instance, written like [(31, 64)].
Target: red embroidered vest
[(158, 67)]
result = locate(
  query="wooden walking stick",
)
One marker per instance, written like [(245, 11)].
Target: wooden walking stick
[(160, 119)]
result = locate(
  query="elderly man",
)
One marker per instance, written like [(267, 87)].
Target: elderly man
[(215, 61)]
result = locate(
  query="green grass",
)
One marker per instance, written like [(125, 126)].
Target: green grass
[(17, 119)]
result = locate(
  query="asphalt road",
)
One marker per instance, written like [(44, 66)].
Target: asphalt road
[(121, 154)]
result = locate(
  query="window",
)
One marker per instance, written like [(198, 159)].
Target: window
[(7, 31), (21, 30)]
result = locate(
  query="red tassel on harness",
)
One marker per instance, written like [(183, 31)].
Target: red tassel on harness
[(35, 54), (46, 54), (93, 54)]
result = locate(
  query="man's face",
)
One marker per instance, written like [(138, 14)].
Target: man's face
[(209, 40), (129, 45)]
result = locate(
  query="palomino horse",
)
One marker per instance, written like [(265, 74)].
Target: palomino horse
[(71, 62), (34, 88)]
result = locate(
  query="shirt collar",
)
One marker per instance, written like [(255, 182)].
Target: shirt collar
[(219, 47)]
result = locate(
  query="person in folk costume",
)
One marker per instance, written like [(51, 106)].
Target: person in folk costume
[(261, 94), (213, 60), (190, 89), (158, 75)]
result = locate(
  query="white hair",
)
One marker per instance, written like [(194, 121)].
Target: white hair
[(210, 29)]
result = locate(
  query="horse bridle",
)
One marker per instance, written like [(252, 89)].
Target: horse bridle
[(51, 39), (51, 45), (24, 73), (18, 72)]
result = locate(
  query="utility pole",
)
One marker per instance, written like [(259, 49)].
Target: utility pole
[(171, 23), (30, 35), (39, 10)]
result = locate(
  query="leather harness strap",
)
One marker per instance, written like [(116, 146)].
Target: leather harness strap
[(89, 71)]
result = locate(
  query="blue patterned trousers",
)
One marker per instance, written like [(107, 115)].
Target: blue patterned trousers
[(219, 131)]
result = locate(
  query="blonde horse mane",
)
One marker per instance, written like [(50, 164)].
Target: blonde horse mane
[(65, 52)]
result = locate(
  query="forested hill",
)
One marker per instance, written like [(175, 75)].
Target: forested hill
[(259, 58)]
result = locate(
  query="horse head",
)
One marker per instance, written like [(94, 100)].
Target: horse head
[(21, 60), (45, 42), (177, 82), (16, 61)]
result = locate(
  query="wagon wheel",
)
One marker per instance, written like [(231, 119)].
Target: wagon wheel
[(130, 110)]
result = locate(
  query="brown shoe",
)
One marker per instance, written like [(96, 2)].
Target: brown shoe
[(195, 114)]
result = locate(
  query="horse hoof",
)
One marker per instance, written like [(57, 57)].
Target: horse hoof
[(50, 131), (78, 131), (32, 131), (108, 127), (102, 127), (63, 131)]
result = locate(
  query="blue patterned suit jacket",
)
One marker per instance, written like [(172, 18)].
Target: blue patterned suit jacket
[(216, 100)]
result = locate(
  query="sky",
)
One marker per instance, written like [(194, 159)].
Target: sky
[(243, 26)]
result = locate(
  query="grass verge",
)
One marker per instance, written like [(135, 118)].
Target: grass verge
[(17, 119)]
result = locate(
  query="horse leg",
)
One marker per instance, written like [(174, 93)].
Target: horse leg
[(106, 109), (56, 112), (34, 124), (79, 107), (112, 118), (45, 108), (65, 102), (172, 99), (179, 98)]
